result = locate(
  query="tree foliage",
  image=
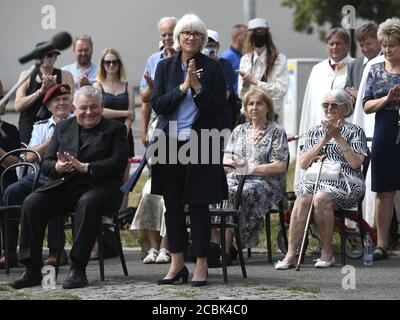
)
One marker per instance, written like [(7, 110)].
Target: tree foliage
[(315, 14)]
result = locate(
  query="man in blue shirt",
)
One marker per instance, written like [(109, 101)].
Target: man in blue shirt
[(234, 53), (83, 71), (166, 28), (58, 100)]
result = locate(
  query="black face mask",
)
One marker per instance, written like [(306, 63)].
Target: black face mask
[(259, 40)]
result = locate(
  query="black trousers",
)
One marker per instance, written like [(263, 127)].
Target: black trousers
[(173, 189), (15, 194), (40, 206)]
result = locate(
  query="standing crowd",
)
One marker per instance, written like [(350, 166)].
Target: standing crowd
[(79, 119)]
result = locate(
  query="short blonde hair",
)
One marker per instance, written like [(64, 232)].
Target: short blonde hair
[(101, 71), (193, 22), (265, 97), (389, 31)]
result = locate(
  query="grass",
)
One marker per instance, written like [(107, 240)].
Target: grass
[(187, 295), (304, 289), (8, 293)]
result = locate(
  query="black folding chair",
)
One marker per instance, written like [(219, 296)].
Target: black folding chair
[(221, 212), (107, 221), (342, 214), (12, 213)]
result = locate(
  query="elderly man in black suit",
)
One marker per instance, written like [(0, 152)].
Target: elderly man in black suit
[(86, 159)]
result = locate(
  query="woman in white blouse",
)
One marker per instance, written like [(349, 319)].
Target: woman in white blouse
[(262, 65)]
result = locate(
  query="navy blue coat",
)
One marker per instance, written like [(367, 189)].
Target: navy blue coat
[(205, 183)]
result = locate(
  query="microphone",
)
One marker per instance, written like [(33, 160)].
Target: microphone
[(60, 41)]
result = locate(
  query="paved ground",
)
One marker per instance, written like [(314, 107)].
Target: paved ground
[(381, 281)]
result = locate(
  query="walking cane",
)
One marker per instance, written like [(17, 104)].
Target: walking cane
[(302, 249)]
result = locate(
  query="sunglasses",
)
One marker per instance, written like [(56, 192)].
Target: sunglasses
[(334, 105), (109, 62)]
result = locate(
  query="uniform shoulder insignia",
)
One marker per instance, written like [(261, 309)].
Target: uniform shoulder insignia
[(41, 122)]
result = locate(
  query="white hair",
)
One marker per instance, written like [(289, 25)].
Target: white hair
[(166, 19), (88, 91), (342, 97), (193, 22)]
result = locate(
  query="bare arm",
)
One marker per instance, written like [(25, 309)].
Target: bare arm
[(307, 157), (22, 101), (131, 109), (375, 105), (146, 93), (145, 113), (268, 170), (354, 159), (40, 148)]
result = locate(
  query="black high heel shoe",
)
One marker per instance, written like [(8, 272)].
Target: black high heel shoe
[(183, 273), (199, 283)]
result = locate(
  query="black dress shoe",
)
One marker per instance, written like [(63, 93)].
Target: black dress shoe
[(28, 279), (199, 283), (183, 273), (75, 279)]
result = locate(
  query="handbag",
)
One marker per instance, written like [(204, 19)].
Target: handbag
[(330, 171)]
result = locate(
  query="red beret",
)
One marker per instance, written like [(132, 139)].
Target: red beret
[(55, 91)]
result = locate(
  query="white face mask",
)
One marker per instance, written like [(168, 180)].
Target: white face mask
[(211, 52)]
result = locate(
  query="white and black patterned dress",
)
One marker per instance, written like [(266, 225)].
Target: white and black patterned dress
[(350, 187), (259, 193)]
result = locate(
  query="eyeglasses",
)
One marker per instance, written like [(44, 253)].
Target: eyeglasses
[(196, 35), (109, 62), (51, 54), (334, 105)]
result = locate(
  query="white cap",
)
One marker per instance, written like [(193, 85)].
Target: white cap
[(213, 35), (258, 23)]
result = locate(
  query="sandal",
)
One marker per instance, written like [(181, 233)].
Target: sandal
[(379, 254)]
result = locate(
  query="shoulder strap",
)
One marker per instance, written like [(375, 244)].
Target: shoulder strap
[(101, 87)]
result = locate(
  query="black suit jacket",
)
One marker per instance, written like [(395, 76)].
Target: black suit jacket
[(354, 73), (204, 183), (105, 149)]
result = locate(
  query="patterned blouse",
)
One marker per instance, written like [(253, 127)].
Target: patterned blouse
[(270, 145), (259, 193), (350, 187), (379, 83)]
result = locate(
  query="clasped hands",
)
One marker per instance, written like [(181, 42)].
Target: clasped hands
[(394, 93), (67, 163), (191, 80), (48, 81), (332, 128), (248, 79)]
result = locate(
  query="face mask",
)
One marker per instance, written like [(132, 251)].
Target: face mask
[(259, 40), (210, 52)]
